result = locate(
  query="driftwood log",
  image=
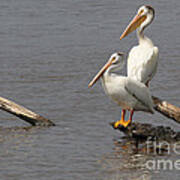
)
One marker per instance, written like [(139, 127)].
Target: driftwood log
[(167, 109), (23, 113)]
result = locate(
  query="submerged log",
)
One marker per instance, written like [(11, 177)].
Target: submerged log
[(23, 113), (167, 109), (144, 131)]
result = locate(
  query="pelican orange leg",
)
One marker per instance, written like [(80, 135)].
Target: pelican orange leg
[(126, 123), (122, 121)]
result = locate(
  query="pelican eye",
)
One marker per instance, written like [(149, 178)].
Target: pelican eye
[(141, 11), (113, 60)]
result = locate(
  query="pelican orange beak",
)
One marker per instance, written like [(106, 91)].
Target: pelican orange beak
[(133, 25), (100, 73)]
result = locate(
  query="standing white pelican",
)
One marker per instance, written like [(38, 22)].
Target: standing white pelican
[(142, 59), (128, 93)]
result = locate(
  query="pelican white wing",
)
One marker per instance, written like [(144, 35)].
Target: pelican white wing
[(139, 91), (142, 63)]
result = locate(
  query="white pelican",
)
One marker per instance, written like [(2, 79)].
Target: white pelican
[(128, 93), (142, 59)]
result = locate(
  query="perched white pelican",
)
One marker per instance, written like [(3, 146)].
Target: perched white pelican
[(128, 93), (142, 59)]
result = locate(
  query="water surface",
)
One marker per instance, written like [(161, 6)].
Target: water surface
[(49, 51)]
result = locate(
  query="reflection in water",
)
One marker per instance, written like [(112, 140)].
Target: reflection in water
[(14, 138), (127, 161)]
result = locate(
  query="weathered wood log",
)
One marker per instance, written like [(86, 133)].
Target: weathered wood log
[(23, 113), (167, 109)]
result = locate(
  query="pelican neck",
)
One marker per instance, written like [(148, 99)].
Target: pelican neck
[(143, 39)]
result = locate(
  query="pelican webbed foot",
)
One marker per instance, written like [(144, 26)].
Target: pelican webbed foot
[(121, 123)]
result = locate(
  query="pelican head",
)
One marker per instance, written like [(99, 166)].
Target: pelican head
[(116, 61), (143, 18)]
